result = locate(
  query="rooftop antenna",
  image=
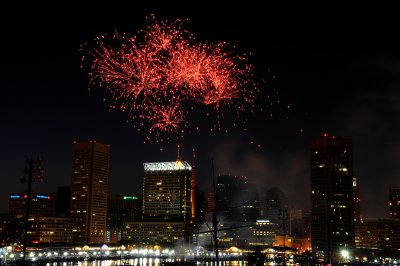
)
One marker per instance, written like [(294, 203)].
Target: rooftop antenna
[(179, 147)]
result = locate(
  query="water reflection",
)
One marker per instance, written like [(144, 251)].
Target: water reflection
[(141, 262)]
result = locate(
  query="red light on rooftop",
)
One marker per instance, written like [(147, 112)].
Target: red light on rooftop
[(333, 137), (325, 135)]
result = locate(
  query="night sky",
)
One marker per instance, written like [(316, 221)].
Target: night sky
[(338, 69)]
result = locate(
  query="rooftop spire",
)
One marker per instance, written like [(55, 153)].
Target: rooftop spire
[(179, 157)]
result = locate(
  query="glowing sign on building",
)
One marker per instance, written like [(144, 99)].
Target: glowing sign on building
[(130, 198), (26, 196), (167, 166), (42, 197)]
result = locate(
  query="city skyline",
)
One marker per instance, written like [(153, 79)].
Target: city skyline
[(337, 77)]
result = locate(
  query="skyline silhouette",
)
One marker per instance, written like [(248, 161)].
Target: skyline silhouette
[(338, 73)]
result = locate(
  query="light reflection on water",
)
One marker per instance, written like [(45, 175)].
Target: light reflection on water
[(140, 262)]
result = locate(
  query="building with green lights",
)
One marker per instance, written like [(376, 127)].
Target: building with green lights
[(120, 210)]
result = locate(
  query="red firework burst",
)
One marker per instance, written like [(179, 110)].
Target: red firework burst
[(166, 118), (155, 74)]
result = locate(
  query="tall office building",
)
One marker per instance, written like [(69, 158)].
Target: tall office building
[(167, 191), (120, 210), (123, 208), (237, 199), (236, 205), (394, 202), (166, 208), (90, 167), (275, 202), (332, 202)]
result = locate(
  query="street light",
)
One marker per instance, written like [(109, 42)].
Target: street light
[(345, 255), (29, 169)]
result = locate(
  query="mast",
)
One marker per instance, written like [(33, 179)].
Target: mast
[(214, 220)]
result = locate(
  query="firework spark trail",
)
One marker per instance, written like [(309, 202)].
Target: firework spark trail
[(167, 117), (187, 69), (128, 73), (155, 76), (164, 36)]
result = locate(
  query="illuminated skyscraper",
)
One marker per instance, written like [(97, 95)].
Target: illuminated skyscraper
[(90, 168), (166, 207), (332, 202), (167, 191), (394, 202)]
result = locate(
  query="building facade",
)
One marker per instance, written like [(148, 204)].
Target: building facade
[(263, 234), (11, 229), (50, 230), (167, 233), (120, 210), (237, 209), (123, 208), (167, 191), (237, 199), (41, 204), (166, 206), (332, 200), (394, 202), (63, 201), (89, 190), (377, 234)]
